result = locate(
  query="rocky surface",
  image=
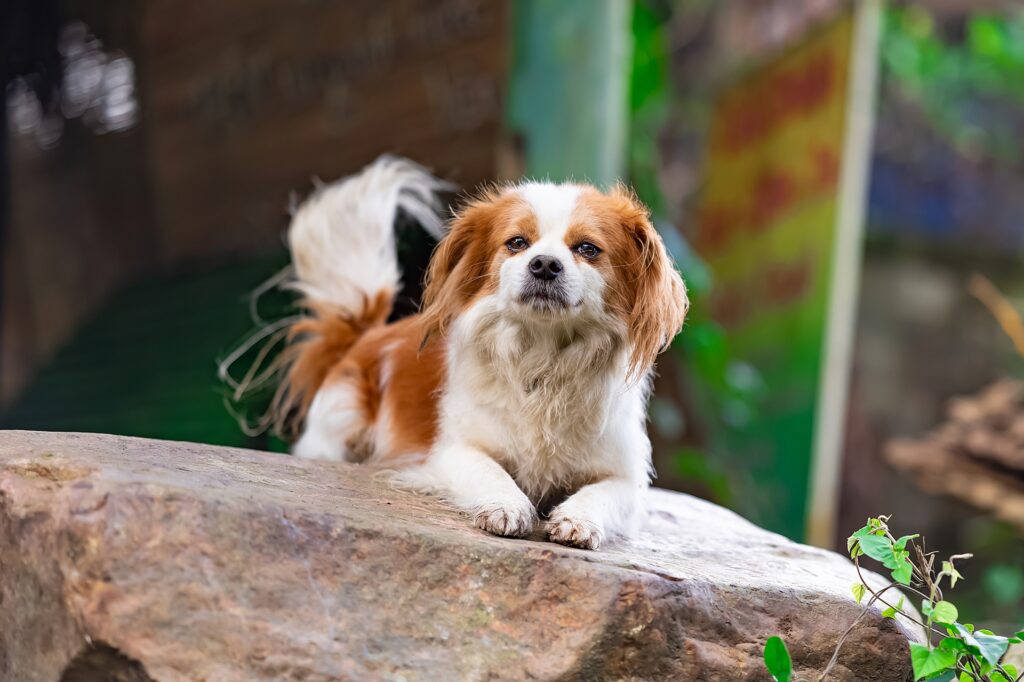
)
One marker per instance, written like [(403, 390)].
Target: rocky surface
[(128, 559)]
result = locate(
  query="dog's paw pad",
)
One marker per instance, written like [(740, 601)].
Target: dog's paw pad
[(574, 532), (510, 522)]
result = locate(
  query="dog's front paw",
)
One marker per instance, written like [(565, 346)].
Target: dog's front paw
[(575, 532), (511, 521)]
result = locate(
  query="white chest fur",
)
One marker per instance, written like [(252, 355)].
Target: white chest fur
[(547, 400)]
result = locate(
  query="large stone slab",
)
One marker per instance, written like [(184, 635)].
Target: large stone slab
[(175, 561)]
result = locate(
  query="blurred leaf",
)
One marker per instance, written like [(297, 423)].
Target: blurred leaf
[(945, 612), (986, 37), (1005, 583), (698, 466), (777, 659), (948, 79)]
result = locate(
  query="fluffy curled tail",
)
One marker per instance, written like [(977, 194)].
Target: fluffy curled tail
[(345, 267)]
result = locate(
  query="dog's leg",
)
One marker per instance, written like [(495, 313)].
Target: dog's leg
[(334, 419), (598, 511), (471, 480)]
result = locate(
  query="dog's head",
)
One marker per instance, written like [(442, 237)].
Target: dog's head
[(560, 253)]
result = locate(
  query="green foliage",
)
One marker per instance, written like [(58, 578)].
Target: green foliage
[(777, 659), (929, 662), (996, 589), (703, 347), (947, 79), (699, 467), (953, 650), (1005, 583)]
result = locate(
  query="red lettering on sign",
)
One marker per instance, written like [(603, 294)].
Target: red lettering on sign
[(779, 98)]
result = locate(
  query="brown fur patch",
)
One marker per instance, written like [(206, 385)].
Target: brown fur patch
[(316, 344), (394, 377), (466, 262), (644, 287)]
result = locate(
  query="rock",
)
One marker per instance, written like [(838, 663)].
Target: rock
[(130, 559)]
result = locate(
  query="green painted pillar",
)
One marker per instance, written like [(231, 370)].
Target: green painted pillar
[(569, 87)]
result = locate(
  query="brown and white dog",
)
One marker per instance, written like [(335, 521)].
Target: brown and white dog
[(522, 385)]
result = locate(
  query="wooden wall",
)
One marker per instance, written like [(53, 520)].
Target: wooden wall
[(262, 95), (242, 103)]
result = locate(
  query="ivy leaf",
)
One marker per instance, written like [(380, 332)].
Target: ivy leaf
[(777, 660), (903, 573), (857, 535), (954, 644), (992, 646), (858, 591), (928, 662), (893, 610), (894, 559), (853, 542), (902, 542), (877, 547), (944, 612), (967, 636)]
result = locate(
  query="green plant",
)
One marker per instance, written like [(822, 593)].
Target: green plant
[(948, 78), (952, 650), (777, 659)]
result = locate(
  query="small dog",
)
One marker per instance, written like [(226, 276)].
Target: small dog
[(521, 387)]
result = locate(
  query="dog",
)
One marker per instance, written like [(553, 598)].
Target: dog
[(519, 391)]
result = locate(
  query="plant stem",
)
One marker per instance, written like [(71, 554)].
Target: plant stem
[(877, 595)]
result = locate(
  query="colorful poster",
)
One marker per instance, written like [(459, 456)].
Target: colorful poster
[(770, 216)]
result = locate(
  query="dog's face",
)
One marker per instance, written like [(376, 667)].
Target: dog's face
[(551, 263), (565, 253)]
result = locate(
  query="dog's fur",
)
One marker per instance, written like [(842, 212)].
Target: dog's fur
[(509, 394)]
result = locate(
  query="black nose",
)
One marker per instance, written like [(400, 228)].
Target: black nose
[(545, 267)]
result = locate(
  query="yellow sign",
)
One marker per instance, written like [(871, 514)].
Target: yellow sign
[(779, 229)]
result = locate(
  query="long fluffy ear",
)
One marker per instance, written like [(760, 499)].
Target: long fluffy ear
[(458, 267), (660, 302)]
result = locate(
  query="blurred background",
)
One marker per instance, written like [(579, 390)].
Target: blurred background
[(151, 151)]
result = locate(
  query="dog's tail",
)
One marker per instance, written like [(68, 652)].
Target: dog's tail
[(345, 266)]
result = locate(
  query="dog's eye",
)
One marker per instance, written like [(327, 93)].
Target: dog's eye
[(587, 250), (517, 244)]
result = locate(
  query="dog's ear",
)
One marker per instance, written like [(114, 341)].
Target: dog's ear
[(458, 267), (660, 302)]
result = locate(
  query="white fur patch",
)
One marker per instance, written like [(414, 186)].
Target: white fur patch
[(553, 204), (342, 238), (334, 418)]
